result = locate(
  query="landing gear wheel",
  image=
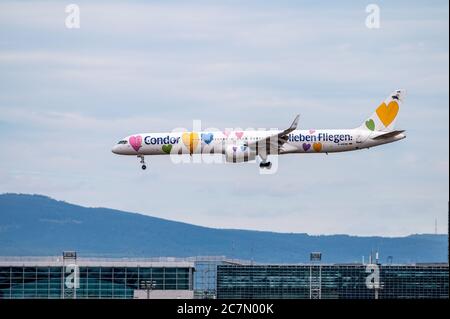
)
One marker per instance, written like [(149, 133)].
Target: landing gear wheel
[(142, 161), (267, 165)]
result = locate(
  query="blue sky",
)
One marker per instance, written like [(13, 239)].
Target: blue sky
[(66, 95)]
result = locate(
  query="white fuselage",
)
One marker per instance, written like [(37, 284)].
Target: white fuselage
[(299, 141), (245, 146)]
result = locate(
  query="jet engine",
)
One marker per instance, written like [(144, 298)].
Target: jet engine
[(239, 154)]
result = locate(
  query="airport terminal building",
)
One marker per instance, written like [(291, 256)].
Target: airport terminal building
[(67, 276), (338, 281), (94, 278)]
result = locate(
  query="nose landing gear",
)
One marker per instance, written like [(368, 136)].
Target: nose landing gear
[(142, 162)]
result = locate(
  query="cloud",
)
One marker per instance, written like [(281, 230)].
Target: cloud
[(67, 95)]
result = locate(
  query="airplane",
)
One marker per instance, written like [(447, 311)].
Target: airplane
[(244, 146)]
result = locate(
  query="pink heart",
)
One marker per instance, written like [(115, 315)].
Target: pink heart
[(135, 142), (239, 134), (312, 131), (226, 133)]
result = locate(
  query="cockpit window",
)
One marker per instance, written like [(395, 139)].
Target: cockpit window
[(122, 142)]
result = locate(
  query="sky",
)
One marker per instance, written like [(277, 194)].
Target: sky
[(68, 94)]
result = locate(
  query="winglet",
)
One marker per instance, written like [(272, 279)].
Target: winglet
[(295, 123), (282, 136), (292, 127)]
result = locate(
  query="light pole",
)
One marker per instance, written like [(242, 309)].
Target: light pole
[(148, 285)]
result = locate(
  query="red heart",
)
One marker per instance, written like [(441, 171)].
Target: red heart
[(239, 134)]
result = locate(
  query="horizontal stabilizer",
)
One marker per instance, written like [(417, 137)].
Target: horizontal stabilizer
[(388, 135)]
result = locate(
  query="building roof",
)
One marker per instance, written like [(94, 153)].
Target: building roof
[(58, 261)]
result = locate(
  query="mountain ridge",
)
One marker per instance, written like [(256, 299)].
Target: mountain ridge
[(39, 225)]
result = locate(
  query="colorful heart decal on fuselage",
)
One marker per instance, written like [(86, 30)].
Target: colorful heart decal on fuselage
[(135, 142), (207, 137), (167, 148), (239, 134), (190, 139), (317, 146), (306, 146)]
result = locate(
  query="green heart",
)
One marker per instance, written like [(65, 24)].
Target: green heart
[(370, 124), (167, 148)]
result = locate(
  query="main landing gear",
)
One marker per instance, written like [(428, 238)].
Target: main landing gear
[(267, 165), (264, 162), (142, 161)]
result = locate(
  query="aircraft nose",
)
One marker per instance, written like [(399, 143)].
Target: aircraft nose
[(115, 149)]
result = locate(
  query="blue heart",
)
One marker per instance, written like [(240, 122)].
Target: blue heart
[(207, 138)]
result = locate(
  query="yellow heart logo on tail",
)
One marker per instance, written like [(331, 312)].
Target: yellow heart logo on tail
[(317, 146), (190, 140), (387, 113)]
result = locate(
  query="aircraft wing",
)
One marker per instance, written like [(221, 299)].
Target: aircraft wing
[(276, 140)]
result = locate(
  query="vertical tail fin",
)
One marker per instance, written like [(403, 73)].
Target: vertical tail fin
[(384, 117)]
